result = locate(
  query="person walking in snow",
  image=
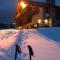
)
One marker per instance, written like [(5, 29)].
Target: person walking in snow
[(18, 50), (30, 51)]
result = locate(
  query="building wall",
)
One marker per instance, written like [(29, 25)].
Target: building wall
[(38, 16)]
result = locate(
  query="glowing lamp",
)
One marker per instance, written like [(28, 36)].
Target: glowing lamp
[(46, 21), (39, 21), (23, 4)]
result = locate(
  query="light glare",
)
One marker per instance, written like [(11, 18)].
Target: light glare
[(46, 21), (23, 4), (39, 21)]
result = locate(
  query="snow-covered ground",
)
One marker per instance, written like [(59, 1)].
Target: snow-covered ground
[(45, 43)]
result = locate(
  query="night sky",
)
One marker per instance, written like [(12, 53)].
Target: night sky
[(7, 8), (57, 2)]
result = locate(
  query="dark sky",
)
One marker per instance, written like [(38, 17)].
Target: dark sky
[(7, 10), (58, 2)]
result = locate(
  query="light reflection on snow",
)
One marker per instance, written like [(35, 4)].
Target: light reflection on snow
[(8, 39)]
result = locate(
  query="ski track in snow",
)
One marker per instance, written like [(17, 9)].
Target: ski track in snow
[(43, 48)]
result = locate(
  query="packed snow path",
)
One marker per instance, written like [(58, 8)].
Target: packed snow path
[(43, 46)]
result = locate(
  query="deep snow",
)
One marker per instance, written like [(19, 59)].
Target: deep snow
[(44, 41)]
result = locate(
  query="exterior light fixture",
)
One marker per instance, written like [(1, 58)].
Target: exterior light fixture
[(39, 21), (20, 7), (46, 21), (23, 4)]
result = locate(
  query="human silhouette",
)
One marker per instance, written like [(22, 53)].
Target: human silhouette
[(17, 50), (30, 51)]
